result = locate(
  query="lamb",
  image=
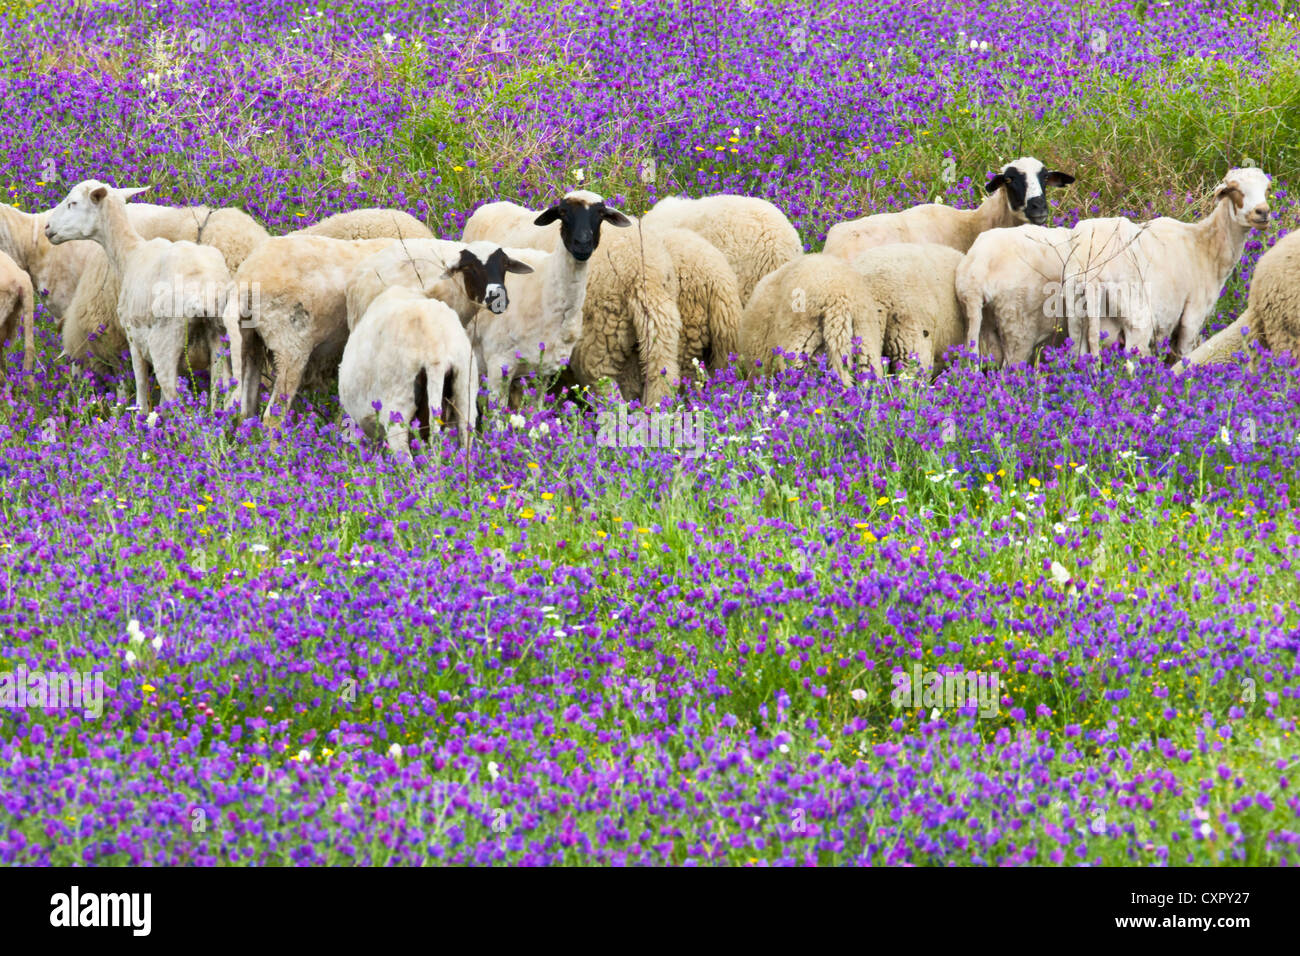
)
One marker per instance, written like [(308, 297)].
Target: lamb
[(442, 269), (368, 224), (404, 337), (292, 299), (708, 298), (1172, 272), (630, 322), (916, 286), (544, 323), (165, 287), (753, 234), (1016, 195), (17, 305), (1272, 314), (815, 302), (1016, 287)]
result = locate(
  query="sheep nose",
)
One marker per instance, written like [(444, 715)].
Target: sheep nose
[(1261, 212)]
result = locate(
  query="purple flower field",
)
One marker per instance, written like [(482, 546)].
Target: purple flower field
[(550, 651)]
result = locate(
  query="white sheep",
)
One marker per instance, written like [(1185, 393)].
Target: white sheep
[(406, 340), (17, 303), (87, 310), (916, 286), (708, 298), (1016, 195), (165, 287), (817, 302), (543, 324), (753, 234), (1016, 287), (630, 322), (368, 224), (1170, 273)]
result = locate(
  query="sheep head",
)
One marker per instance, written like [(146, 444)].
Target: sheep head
[(1025, 182), (482, 269), (1247, 189), (580, 214), (80, 214)]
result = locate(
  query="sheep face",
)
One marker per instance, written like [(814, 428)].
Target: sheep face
[(484, 275), (1248, 190), (79, 215), (1025, 181), (580, 214)]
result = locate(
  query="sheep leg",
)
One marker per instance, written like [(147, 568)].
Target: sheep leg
[(288, 376), (251, 376), (141, 369), (219, 368), (165, 347), (1220, 347), (29, 331)]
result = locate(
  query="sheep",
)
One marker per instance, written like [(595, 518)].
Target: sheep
[(368, 224), (443, 269), (1171, 273), (1272, 314), (544, 323), (753, 234), (1016, 195), (402, 336), (630, 322), (293, 300), (17, 305), (165, 287), (708, 298), (916, 285), (87, 310), (1015, 288), (815, 302)]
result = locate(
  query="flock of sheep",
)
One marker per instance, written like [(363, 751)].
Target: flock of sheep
[(583, 294)]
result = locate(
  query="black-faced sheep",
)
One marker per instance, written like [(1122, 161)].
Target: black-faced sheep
[(1016, 195)]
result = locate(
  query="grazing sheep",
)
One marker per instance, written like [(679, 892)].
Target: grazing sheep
[(916, 285), (1170, 273), (815, 302), (708, 298), (368, 224), (463, 275), (1014, 288), (17, 303), (544, 323), (1018, 194), (753, 234), (406, 353), (165, 287), (1272, 312), (630, 322)]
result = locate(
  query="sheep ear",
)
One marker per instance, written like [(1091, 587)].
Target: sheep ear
[(98, 193), (1058, 178), (126, 192), (517, 267), (615, 218), (996, 183), (1230, 190), (548, 217)]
